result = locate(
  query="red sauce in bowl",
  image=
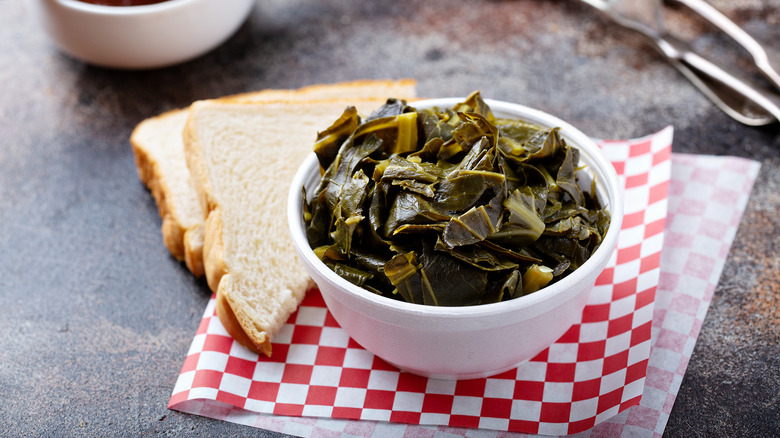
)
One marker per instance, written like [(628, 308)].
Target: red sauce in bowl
[(122, 2)]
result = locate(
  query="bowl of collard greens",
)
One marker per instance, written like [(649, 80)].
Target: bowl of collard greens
[(455, 238)]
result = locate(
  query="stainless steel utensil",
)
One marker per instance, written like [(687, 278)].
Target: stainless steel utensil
[(732, 95), (766, 59)]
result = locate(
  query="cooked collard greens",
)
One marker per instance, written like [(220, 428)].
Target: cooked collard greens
[(450, 207)]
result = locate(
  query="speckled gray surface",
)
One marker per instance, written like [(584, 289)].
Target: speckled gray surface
[(96, 317)]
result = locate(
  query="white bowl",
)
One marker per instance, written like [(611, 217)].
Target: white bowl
[(139, 37), (472, 341)]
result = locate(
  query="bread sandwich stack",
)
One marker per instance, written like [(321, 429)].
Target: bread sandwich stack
[(220, 172)]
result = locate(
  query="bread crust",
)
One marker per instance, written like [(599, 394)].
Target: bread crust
[(151, 176), (213, 249), (206, 246), (328, 91), (174, 233), (260, 343), (193, 250)]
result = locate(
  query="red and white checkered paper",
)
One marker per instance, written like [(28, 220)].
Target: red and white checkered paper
[(707, 196), (321, 380)]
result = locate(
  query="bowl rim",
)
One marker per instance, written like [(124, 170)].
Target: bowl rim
[(571, 134), (94, 9)]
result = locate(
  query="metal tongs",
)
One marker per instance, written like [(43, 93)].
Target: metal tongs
[(735, 97)]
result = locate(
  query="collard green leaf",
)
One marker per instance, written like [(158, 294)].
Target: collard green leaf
[(434, 228), (391, 108), (566, 179), (512, 286), (430, 149), (479, 158), (522, 255), (403, 169), (353, 194), (435, 128), (457, 194), (318, 222), (476, 105), (410, 208), (398, 133), (556, 211), (343, 167), (523, 225), (352, 274), (450, 281), (377, 216), (480, 257), (518, 139), (403, 271), (476, 224), (571, 249), (424, 190), (552, 144), (329, 141), (342, 233), (369, 261), (349, 211), (473, 129)]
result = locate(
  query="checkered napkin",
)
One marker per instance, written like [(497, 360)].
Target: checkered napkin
[(321, 380)]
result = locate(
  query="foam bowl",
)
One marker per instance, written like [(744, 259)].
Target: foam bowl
[(472, 341), (139, 37)]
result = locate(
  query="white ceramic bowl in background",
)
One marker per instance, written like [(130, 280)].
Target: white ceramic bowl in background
[(473, 341), (139, 37)]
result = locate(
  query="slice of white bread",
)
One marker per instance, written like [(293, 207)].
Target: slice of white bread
[(159, 156), (242, 157)]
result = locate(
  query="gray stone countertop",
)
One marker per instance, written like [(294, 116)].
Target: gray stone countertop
[(96, 317)]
